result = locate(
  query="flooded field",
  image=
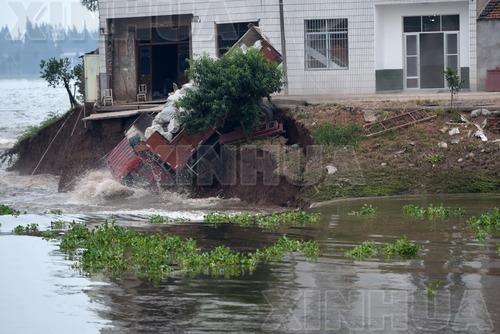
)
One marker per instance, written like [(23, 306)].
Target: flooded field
[(451, 286)]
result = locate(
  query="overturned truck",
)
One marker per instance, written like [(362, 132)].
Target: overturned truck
[(158, 152)]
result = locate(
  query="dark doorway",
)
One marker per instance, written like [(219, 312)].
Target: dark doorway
[(165, 69), (432, 60)]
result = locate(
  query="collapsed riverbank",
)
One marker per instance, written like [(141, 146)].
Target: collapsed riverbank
[(427, 158)]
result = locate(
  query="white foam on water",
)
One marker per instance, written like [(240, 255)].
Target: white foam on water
[(6, 143), (98, 186)]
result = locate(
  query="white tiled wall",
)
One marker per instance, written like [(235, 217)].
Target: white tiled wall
[(359, 78)]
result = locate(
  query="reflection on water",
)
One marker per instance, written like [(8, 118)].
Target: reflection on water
[(332, 295)]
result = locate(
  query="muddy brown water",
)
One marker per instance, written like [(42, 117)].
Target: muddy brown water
[(41, 293)]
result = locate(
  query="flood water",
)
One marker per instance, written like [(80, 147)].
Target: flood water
[(40, 292)]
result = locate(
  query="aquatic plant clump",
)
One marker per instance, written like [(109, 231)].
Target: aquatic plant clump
[(156, 219), (267, 222), (403, 248), (432, 212), (117, 251), (31, 229), (366, 250), (8, 211), (485, 224), (366, 211)]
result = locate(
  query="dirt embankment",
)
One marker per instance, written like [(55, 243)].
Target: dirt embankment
[(68, 147), (420, 159)]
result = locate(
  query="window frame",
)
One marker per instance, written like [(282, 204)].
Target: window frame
[(327, 34)]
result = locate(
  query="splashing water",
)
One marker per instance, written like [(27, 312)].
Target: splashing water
[(98, 186)]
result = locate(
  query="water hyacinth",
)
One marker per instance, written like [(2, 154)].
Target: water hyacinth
[(432, 212), (485, 224), (366, 250), (8, 211), (116, 251), (365, 211), (31, 229), (266, 222), (402, 248)]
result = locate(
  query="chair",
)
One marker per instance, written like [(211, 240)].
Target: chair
[(142, 93), (107, 99)]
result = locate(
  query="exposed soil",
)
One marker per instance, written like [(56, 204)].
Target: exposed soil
[(74, 150), (406, 161)]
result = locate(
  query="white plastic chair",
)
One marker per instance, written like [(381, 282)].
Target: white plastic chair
[(143, 92), (107, 99)]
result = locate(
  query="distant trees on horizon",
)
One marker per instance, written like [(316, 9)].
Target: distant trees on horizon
[(20, 55)]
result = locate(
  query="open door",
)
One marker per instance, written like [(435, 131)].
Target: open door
[(432, 64)]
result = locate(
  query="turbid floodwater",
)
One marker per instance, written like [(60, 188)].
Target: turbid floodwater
[(41, 292)]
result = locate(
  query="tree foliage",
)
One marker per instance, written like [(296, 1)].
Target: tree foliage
[(59, 73), (92, 5), (455, 84), (229, 90)]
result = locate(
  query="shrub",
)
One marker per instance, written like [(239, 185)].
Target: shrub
[(366, 250), (329, 134), (228, 91), (403, 248)]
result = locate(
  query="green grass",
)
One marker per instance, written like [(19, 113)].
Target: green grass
[(116, 251), (435, 159), (8, 211), (33, 130), (31, 229), (485, 224), (329, 134), (432, 212), (365, 211), (402, 248), (366, 250), (56, 212), (266, 222)]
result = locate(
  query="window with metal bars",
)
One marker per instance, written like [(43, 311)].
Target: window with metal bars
[(326, 44)]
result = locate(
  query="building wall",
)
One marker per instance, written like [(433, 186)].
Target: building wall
[(488, 48), (390, 42), (359, 78)]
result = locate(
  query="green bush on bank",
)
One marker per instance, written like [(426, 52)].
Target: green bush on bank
[(229, 90)]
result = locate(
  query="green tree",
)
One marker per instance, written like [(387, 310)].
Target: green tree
[(92, 5), (455, 84), (229, 90), (58, 72)]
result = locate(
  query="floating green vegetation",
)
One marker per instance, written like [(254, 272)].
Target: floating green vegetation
[(267, 222), (432, 212), (8, 211), (329, 134), (485, 224), (117, 251), (366, 211), (402, 248), (433, 287), (366, 250), (157, 219), (59, 224), (57, 212), (31, 229)]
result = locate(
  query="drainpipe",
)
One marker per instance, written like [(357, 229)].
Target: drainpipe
[(283, 45)]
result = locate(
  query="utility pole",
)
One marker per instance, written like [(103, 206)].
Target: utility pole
[(283, 45)]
